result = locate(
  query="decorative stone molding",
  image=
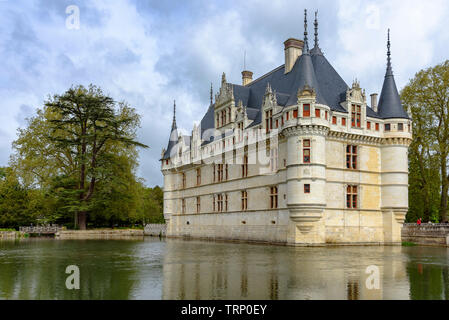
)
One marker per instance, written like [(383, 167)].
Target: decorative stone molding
[(397, 141), (225, 94), (306, 215), (300, 130), (354, 138)]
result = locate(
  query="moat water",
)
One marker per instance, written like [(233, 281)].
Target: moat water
[(177, 269)]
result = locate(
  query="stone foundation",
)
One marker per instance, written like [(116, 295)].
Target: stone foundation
[(100, 234)]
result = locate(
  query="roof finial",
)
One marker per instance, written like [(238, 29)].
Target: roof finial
[(211, 94), (174, 114), (316, 29), (389, 69), (306, 43)]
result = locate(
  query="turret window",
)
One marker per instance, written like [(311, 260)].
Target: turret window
[(377, 127), (351, 197), (368, 125), (400, 127), (351, 157), (387, 127), (306, 151), (334, 120), (318, 113), (343, 121), (306, 110), (306, 188), (295, 113)]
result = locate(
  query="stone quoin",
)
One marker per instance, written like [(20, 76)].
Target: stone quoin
[(295, 156)]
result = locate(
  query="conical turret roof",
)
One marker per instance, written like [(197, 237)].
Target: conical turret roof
[(390, 105)]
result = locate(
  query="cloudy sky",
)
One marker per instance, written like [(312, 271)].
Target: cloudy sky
[(150, 52)]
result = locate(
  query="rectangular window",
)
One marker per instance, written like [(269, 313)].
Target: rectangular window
[(287, 115), (245, 167), (183, 175), (269, 120), (295, 113), (226, 202), (277, 123), (317, 113), (307, 188), (351, 197), (306, 110), (351, 157), (198, 205), (325, 115), (273, 197), (400, 127), (334, 120), (368, 125), (356, 116), (213, 203), (244, 200), (214, 174), (377, 127), (306, 151), (343, 121), (198, 176), (387, 127)]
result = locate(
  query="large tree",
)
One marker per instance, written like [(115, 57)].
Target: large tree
[(427, 95), (81, 139)]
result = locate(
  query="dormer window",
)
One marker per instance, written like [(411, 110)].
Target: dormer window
[(356, 116), (306, 111), (269, 120)]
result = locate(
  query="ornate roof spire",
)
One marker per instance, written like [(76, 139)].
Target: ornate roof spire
[(390, 105), (306, 42), (389, 68), (174, 116), (211, 94), (316, 28)]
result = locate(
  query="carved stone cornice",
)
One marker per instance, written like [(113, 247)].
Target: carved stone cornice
[(397, 141), (312, 129), (353, 137)]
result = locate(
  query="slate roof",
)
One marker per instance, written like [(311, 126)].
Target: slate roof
[(390, 105), (312, 69)]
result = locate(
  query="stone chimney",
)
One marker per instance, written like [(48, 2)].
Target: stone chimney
[(247, 77), (293, 49), (374, 101)]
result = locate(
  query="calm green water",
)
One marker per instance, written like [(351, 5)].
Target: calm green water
[(176, 269)]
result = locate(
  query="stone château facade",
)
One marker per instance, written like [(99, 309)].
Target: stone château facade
[(295, 156)]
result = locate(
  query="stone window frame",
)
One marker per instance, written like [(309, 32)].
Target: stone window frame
[(352, 192), (274, 192), (351, 154), (307, 188), (244, 198), (356, 116), (307, 148), (198, 204)]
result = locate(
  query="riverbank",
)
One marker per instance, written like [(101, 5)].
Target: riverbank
[(116, 234), (427, 234), (12, 234)]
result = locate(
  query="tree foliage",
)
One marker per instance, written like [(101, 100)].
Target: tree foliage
[(77, 158), (427, 96)]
